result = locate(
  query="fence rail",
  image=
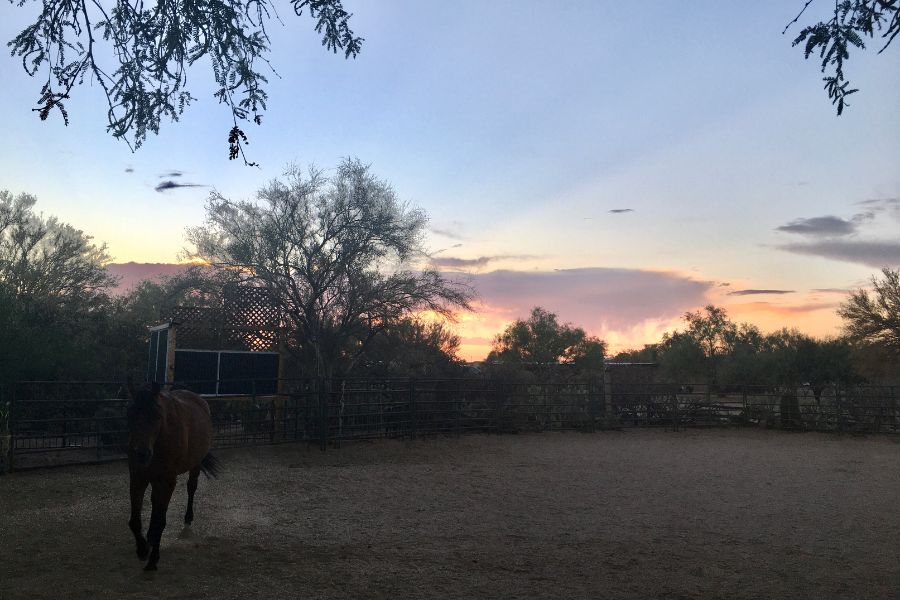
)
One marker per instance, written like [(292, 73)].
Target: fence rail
[(54, 423)]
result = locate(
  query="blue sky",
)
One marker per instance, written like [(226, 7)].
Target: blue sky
[(518, 126)]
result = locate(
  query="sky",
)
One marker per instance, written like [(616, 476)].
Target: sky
[(616, 163)]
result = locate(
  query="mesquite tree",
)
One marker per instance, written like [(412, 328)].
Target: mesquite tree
[(335, 254), (875, 318), (849, 24), (139, 54)]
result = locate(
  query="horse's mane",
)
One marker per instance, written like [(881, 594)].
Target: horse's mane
[(146, 398)]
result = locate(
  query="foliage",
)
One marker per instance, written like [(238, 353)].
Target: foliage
[(334, 254), (851, 22), (54, 306), (719, 351), (875, 318), (43, 258), (414, 348), (542, 341), (791, 358), (153, 46), (150, 302), (703, 347)]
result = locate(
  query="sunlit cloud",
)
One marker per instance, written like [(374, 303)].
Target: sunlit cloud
[(626, 307), (783, 309), (131, 273)]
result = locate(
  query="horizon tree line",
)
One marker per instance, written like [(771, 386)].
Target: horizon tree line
[(339, 257)]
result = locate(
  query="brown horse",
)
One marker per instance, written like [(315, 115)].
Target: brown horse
[(169, 433)]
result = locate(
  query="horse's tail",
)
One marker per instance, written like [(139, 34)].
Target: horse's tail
[(210, 465)]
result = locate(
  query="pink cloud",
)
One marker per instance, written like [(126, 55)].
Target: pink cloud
[(132, 273), (598, 299)]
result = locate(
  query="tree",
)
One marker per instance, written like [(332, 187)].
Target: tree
[(54, 305), (543, 341), (875, 318), (851, 22), (414, 348), (153, 47), (43, 258), (703, 349), (150, 302), (334, 254)]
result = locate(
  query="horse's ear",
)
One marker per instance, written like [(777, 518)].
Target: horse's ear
[(154, 388), (130, 385)]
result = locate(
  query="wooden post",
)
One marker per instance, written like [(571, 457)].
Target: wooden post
[(170, 354)]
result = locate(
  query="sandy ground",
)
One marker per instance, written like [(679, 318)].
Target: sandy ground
[(636, 514)]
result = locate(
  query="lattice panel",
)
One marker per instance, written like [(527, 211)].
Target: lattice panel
[(247, 320), (250, 319), (197, 327)]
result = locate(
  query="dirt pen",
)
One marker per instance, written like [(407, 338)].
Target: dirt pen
[(633, 514)]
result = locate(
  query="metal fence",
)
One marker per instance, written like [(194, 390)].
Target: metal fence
[(55, 423)]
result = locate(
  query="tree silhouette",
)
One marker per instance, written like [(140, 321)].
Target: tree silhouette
[(334, 253), (542, 340), (153, 45), (851, 22), (875, 318)]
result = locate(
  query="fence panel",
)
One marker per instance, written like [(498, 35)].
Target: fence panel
[(51, 423)]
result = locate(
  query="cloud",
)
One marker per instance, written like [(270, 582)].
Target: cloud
[(882, 205), (452, 262), (171, 174), (758, 292), (830, 290), (820, 226), (132, 273), (171, 185), (618, 211), (781, 309), (129, 169), (870, 253), (452, 231), (601, 300)]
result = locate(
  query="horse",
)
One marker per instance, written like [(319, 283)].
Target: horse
[(169, 433)]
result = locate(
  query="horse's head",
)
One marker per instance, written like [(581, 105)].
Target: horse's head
[(144, 421)]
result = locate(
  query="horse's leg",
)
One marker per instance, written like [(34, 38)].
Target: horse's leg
[(159, 496), (138, 485), (191, 487)]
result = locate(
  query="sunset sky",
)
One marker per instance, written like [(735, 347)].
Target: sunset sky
[(616, 163)]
